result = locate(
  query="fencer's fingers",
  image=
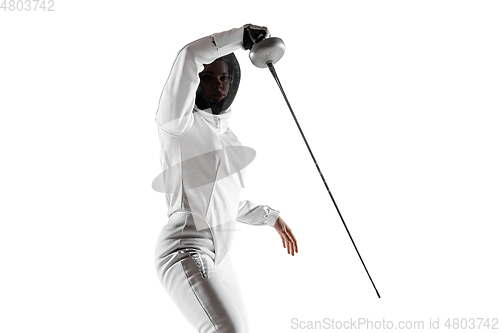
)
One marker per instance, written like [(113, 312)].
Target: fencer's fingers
[(294, 240), (293, 243), (293, 246), (287, 238), (289, 244), (291, 237)]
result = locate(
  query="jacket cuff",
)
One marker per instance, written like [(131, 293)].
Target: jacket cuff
[(272, 217), (228, 41)]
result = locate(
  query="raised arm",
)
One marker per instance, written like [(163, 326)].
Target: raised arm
[(177, 100)]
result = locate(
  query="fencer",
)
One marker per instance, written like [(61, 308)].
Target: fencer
[(202, 193)]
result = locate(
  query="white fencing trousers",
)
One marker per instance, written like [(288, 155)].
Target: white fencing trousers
[(212, 304)]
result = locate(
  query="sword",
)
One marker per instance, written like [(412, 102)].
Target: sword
[(265, 54)]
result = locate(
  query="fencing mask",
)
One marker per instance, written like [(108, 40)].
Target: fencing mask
[(219, 83)]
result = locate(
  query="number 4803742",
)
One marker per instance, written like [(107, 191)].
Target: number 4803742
[(27, 5)]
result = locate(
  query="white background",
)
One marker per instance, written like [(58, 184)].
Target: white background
[(399, 101)]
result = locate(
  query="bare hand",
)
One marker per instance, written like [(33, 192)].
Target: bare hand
[(286, 236)]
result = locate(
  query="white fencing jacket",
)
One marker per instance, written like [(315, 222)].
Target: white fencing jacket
[(201, 157)]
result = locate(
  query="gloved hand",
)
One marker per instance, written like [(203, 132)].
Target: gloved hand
[(253, 34)]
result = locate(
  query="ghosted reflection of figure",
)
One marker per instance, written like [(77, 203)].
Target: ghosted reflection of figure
[(197, 147)]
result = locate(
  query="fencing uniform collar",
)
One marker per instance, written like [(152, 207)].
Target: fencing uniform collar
[(219, 121)]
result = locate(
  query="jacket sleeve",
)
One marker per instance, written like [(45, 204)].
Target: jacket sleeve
[(250, 213), (174, 114)]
